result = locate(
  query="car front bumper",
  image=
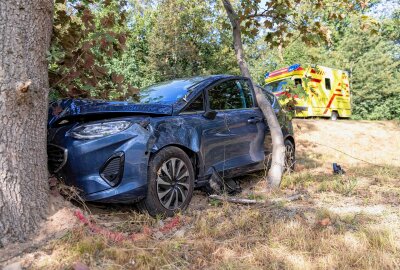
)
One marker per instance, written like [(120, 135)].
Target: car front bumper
[(85, 160)]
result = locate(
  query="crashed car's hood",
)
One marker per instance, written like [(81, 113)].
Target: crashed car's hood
[(70, 108)]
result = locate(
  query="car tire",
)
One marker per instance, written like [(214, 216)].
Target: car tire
[(170, 183), (334, 116), (290, 156)]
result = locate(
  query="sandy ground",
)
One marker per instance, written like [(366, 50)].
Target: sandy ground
[(368, 151), (377, 142), (59, 221)]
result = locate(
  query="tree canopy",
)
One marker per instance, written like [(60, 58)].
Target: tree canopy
[(109, 48)]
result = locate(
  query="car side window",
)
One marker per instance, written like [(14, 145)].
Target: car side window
[(226, 96), (248, 94), (272, 100), (197, 105), (268, 95)]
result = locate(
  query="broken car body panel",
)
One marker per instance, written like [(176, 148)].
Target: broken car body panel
[(75, 108), (113, 168)]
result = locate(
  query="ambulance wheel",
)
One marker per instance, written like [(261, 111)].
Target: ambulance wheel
[(334, 116)]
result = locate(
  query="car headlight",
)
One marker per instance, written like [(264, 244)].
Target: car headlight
[(98, 130)]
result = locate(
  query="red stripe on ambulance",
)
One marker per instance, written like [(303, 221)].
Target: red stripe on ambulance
[(330, 102)]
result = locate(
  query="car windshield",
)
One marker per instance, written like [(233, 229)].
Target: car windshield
[(276, 86), (167, 92)]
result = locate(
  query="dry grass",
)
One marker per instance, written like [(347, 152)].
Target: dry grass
[(237, 237), (349, 221)]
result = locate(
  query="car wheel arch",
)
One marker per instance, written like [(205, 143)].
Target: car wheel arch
[(291, 139), (193, 156)]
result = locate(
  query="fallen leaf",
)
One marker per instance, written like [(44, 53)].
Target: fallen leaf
[(325, 222)]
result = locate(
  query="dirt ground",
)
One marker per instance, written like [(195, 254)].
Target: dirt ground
[(349, 221)]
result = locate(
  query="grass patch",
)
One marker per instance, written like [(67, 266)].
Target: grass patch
[(380, 239), (298, 180), (339, 184), (256, 196), (239, 237), (380, 175), (90, 246)]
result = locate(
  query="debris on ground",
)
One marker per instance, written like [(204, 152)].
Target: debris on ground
[(337, 169)]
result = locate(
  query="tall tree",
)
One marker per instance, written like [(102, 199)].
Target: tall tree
[(278, 146), (25, 30)]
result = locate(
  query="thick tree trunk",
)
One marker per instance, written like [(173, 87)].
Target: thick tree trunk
[(278, 146), (25, 30)]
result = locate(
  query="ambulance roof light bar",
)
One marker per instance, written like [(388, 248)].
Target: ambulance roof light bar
[(288, 69), (293, 67)]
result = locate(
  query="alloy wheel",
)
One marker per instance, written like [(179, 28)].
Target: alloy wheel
[(173, 183)]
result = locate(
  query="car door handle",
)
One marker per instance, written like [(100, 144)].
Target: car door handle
[(254, 120)]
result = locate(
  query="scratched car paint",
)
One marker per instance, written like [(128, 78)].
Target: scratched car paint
[(157, 146)]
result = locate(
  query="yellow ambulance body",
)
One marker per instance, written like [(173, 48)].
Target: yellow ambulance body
[(327, 90)]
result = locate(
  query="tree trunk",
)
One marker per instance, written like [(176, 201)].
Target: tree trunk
[(25, 30), (278, 146)]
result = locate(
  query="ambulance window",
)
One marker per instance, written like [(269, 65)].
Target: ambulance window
[(276, 86), (328, 84)]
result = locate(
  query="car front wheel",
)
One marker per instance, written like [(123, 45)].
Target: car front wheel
[(170, 182)]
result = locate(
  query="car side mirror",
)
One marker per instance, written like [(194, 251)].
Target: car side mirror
[(210, 115)]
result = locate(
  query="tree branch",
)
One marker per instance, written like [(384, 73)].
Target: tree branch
[(294, 197)]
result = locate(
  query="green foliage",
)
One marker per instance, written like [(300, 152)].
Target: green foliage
[(372, 60), (371, 57), (294, 19), (134, 61), (109, 48), (177, 38), (86, 35)]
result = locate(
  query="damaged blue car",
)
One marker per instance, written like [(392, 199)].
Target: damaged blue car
[(158, 146)]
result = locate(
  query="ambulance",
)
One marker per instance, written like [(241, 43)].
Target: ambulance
[(327, 90)]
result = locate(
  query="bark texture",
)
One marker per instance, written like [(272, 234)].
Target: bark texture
[(278, 146), (25, 30)]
